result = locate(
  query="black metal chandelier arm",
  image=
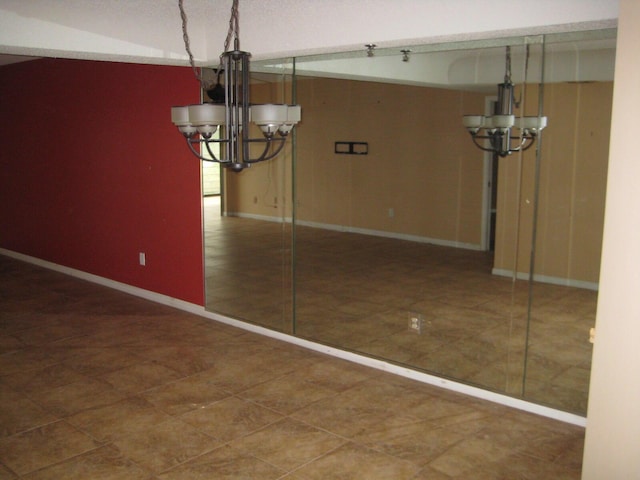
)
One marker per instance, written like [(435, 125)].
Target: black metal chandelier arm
[(496, 149), (482, 147), (269, 141), (512, 137), (263, 156), (531, 139), (191, 141), (521, 147), (206, 144)]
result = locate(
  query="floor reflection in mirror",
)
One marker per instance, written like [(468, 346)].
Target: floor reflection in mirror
[(361, 293)]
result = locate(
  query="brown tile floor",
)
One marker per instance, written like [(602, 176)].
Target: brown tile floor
[(96, 384)]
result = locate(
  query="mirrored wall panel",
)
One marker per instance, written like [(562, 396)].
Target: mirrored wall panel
[(567, 219), (399, 249), (248, 230), (389, 230)]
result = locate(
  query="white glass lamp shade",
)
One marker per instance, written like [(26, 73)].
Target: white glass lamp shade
[(487, 123), (187, 130), (534, 124), (180, 116), (542, 122), (206, 114), (268, 114), (206, 130), (472, 121), (503, 121), (294, 113), (269, 117)]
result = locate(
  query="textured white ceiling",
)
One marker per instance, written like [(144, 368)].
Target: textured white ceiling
[(149, 31)]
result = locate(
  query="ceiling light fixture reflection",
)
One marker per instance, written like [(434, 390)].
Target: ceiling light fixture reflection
[(500, 128)]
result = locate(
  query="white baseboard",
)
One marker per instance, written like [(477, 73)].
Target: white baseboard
[(566, 282), (264, 218), (334, 352)]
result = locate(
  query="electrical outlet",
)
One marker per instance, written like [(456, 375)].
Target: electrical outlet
[(416, 323), (392, 213), (142, 259)]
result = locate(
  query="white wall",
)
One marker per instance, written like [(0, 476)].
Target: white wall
[(612, 449)]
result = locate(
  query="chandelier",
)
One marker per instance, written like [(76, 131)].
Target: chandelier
[(505, 133), (230, 109)]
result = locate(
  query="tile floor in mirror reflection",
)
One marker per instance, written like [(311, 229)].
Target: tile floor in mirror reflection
[(98, 384), (357, 292)]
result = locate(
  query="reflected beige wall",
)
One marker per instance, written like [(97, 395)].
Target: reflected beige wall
[(264, 189), (573, 176), (422, 176)]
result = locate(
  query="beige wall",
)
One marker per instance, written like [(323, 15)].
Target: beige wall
[(573, 174), (612, 449), (421, 164)]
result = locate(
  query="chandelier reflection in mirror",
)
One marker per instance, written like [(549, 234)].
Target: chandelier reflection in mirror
[(505, 133), (231, 108)]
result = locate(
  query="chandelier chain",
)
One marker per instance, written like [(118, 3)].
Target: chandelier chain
[(234, 31), (234, 28), (187, 44)]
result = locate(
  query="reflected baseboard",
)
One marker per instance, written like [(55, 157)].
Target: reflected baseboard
[(361, 231), (566, 282)]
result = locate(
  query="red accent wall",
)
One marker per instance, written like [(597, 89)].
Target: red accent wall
[(92, 172)]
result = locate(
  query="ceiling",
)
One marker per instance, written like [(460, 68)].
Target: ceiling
[(150, 31), (478, 65)]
